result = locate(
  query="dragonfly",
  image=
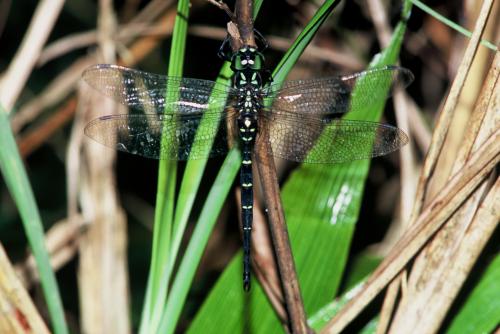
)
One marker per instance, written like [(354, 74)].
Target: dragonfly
[(178, 118)]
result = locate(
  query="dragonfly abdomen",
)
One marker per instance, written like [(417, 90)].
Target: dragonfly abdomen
[(246, 64), (247, 126)]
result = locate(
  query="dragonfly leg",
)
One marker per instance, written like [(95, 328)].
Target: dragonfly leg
[(260, 40), (225, 52)]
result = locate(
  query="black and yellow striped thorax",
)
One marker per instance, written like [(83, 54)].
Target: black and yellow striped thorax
[(247, 67)]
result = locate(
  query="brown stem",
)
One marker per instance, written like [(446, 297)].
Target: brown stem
[(243, 11), (270, 188), (279, 233)]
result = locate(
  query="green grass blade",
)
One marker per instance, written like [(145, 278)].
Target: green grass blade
[(189, 187), (195, 168), (198, 241), (451, 24), (320, 318), (360, 268), (320, 227), (18, 184), (158, 280), (480, 312), (302, 41)]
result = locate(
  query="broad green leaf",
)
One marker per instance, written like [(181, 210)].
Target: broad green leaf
[(480, 312), (321, 317), (16, 179), (362, 266), (334, 196), (370, 327)]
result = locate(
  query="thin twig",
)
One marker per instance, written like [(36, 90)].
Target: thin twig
[(35, 137), (57, 90), (61, 241), (85, 39), (275, 213), (419, 129), (26, 56), (221, 5), (379, 18)]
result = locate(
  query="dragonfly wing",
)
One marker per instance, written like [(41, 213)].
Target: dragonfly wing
[(164, 136), (334, 95), (315, 140), (150, 93)]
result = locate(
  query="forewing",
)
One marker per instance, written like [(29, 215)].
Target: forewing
[(334, 95), (184, 136), (150, 93), (314, 140)]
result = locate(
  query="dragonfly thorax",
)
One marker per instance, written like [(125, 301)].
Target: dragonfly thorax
[(247, 67)]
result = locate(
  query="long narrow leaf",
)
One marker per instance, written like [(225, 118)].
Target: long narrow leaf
[(162, 255), (17, 181), (198, 241), (302, 41)]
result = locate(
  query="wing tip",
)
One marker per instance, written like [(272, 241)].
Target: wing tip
[(88, 128), (88, 73), (403, 138), (404, 77)]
